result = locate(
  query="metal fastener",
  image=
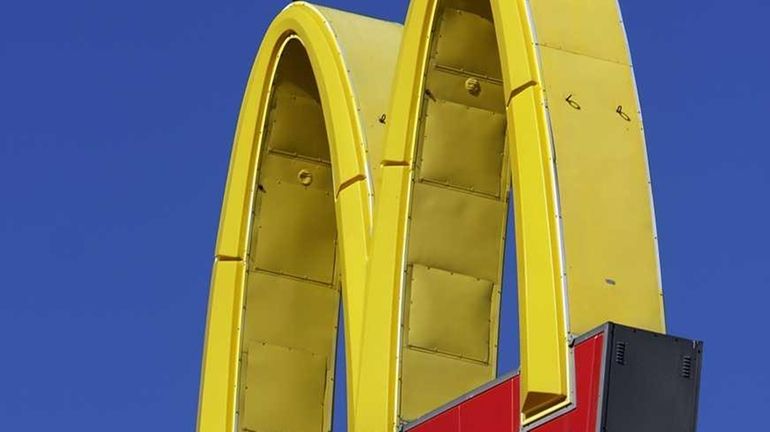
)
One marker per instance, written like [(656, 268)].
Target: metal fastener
[(305, 177)]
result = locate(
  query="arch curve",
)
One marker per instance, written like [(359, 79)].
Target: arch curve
[(295, 226), (405, 207), (583, 207)]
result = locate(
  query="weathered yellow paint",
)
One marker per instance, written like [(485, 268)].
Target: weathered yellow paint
[(406, 209)]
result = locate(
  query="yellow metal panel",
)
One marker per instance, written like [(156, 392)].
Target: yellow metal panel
[(606, 248), (370, 49), (463, 147), (308, 140), (352, 245), (216, 411), (453, 87), (408, 83), (542, 309), (291, 313), (591, 28), (346, 150), (305, 23), (450, 227), (605, 196), (377, 404), (466, 39), (294, 171), (291, 302), (458, 211), (430, 381), (295, 230), (296, 96), (449, 313), (544, 362), (456, 231), (285, 389)]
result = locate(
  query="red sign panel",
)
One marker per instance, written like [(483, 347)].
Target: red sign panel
[(497, 408)]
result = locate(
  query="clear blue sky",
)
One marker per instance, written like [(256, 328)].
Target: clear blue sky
[(116, 120)]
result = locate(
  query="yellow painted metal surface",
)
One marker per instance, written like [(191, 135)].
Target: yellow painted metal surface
[(378, 165), (543, 314), (299, 172), (219, 377), (440, 40)]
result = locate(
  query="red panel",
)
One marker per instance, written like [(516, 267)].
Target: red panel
[(491, 411), (497, 409), (588, 360), (448, 421)]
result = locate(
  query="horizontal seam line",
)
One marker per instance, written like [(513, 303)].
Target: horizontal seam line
[(392, 163), (584, 55), (227, 258)]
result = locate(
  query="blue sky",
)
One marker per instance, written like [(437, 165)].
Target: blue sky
[(116, 120)]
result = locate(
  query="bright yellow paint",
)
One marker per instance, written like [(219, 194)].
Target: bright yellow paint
[(350, 193), (544, 364), (218, 376), (553, 112), (544, 340)]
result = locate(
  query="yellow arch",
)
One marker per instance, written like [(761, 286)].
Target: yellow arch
[(586, 245), (347, 119), (572, 143)]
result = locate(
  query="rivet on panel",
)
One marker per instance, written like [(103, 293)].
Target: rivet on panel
[(473, 86), (305, 177)]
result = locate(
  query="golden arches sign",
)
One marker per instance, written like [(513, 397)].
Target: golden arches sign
[(375, 161)]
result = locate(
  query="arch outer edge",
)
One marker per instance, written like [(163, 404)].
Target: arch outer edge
[(302, 21), (574, 272), (586, 247), (542, 268)]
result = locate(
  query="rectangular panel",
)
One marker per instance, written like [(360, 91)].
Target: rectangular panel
[(450, 313), (492, 410), (468, 42), (431, 380), (451, 85), (610, 248), (652, 382), (291, 313), (588, 365), (457, 214), (456, 231), (494, 407), (296, 100), (295, 230), (310, 140), (285, 169), (284, 390), (463, 147), (593, 28), (448, 421)]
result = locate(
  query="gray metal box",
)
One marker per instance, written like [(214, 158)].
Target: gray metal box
[(651, 382)]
